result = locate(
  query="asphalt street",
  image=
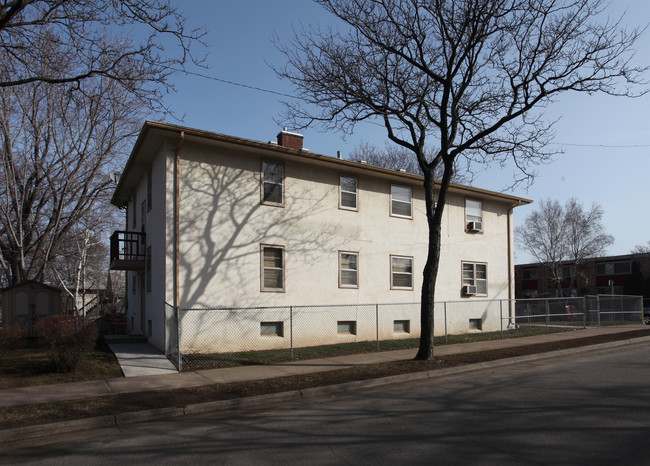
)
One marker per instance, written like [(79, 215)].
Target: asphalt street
[(587, 408)]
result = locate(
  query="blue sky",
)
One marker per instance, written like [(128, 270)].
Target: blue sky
[(606, 140)]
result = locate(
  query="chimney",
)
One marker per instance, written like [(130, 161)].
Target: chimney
[(290, 140)]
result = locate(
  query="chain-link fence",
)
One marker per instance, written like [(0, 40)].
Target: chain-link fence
[(221, 337), (588, 311)]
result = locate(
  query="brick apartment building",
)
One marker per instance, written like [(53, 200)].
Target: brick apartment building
[(628, 274)]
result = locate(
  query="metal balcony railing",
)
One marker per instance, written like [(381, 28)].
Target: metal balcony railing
[(127, 250)]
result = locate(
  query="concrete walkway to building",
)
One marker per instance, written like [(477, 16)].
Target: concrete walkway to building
[(141, 358), (137, 357)]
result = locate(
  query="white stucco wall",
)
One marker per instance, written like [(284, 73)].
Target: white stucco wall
[(223, 225), (152, 324)]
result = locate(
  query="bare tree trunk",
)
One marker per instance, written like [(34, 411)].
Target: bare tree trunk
[(429, 273), (434, 208)]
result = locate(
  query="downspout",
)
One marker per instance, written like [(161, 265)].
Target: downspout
[(177, 205), (511, 317)]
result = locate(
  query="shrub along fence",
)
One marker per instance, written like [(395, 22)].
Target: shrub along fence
[(221, 337)]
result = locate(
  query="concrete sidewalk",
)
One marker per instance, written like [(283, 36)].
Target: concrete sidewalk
[(140, 355)]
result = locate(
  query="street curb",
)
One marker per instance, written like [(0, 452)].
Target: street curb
[(108, 421), (42, 430)]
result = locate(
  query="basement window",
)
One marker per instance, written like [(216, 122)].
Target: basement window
[(346, 327), (272, 329), (402, 326)]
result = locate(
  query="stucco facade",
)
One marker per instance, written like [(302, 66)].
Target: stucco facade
[(235, 223)]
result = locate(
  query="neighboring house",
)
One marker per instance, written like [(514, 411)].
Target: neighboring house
[(622, 275), (216, 221)]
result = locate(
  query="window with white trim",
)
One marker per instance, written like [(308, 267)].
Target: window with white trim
[(272, 268), (272, 183), (475, 274), (401, 272), (348, 269), (400, 201), (473, 215), (348, 192)]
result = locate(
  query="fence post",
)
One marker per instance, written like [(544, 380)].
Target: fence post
[(377, 323), (501, 316), (446, 333), (548, 314), (291, 330), (584, 312), (598, 309), (177, 311)]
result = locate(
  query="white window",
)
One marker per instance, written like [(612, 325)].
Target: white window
[(475, 274), (348, 192), (473, 215), (272, 183), (401, 272), (348, 269), (400, 201), (272, 268)]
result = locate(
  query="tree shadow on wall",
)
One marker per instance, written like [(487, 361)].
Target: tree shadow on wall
[(222, 225)]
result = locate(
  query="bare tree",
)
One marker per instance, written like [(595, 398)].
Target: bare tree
[(58, 145), (77, 77), (586, 233), (395, 158), (641, 249), (554, 234), (544, 236), (468, 76), (99, 36), (388, 157), (81, 263)]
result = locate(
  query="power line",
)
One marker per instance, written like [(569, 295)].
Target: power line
[(233, 83), (601, 145), (269, 91)]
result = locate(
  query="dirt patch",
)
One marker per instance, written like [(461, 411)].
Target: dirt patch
[(20, 416)]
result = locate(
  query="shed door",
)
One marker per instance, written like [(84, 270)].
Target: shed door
[(21, 311)]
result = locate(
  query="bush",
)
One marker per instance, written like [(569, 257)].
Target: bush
[(67, 338), (11, 339)]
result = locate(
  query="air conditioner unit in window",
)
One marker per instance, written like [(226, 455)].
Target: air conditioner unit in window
[(469, 290), (475, 226)]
